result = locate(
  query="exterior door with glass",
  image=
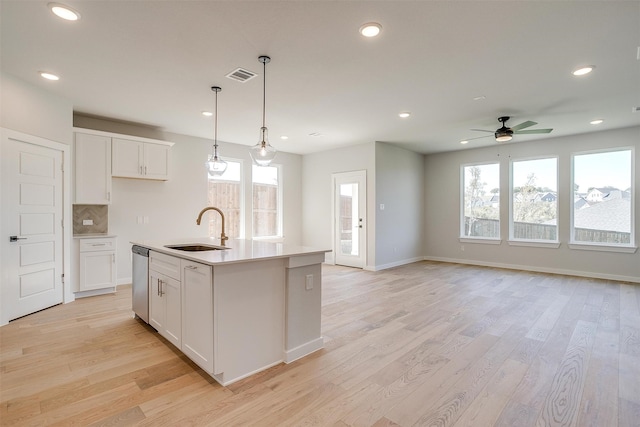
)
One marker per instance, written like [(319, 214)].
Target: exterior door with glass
[(350, 223)]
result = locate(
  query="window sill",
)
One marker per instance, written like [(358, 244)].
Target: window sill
[(534, 243), (603, 248), (485, 240)]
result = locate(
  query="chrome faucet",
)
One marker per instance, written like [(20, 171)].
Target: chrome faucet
[(223, 237)]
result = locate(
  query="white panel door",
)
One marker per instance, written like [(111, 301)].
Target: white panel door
[(349, 195), (32, 253)]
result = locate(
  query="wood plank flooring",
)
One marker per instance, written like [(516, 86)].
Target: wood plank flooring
[(429, 344)]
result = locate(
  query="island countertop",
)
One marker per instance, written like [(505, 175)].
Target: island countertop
[(238, 250)]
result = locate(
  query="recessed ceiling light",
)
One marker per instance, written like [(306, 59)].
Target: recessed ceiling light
[(404, 114), (49, 76), (64, 12), (583, 70), (207, 113), (464, 142), (596, 122), (370, 29), (284, 137)]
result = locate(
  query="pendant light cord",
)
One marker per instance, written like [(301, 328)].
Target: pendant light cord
[(215, 129), (264, 90)]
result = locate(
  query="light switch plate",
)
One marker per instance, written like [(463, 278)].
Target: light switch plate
[(87, 222)]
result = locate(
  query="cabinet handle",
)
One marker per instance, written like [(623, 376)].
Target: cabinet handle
[(98, 244), (191, 267), (141, 170), (145, 170), (113, 257), (158, 292)]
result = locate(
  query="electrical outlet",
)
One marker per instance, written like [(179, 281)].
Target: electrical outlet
[(381, 206), (308, 282), (87, 222)]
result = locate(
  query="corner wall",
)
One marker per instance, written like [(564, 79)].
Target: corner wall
[(399, 186), (442, 209)]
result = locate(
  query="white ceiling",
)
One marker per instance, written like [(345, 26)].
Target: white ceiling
[(153, 63)]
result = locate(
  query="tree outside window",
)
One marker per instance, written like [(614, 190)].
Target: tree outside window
[(481, 201), (266, 201), (534, 205)]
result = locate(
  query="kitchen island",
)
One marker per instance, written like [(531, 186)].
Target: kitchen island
[(239, 310)]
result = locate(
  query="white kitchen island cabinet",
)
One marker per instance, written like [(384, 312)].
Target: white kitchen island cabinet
[(165, 297), (245, 308)]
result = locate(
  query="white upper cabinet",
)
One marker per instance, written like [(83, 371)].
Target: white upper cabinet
[(92, 169), (142, 160)]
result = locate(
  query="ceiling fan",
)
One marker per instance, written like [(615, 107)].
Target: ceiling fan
[(504, 134)]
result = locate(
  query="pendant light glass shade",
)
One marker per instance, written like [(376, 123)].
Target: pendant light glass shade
[(215, 165), (263, 153)]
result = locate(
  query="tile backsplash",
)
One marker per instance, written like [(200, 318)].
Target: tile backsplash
[(99, 214)]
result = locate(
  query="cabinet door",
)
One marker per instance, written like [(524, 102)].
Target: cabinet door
[(127, 158), (156, 161), (197, 318), (165, 306), (97, 270), (92, 169)]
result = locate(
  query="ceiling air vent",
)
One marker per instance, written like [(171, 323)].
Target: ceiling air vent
[(241, 75)]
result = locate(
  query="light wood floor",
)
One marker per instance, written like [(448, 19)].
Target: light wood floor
[(424, 344)]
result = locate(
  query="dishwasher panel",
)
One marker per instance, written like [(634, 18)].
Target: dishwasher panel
[(140, 279)]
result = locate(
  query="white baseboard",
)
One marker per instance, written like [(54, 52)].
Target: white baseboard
[(303, 350), (393, 264), (125, 281), (589, 274), (94, 292)]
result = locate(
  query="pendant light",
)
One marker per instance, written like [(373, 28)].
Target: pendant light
[(263, 153), (215, 165)]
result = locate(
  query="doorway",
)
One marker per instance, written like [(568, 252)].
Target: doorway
[(32, 224), (349, 218)]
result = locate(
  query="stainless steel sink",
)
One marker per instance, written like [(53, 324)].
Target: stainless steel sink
[(196, 247)]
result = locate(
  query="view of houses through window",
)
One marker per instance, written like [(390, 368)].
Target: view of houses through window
[(534, 195), (602, 193), (481, 201), (602, 197), (225, 193)]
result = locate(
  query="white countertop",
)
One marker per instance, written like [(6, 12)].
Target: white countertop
[(93, 235), (239, 250)]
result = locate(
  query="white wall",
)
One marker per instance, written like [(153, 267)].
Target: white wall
[(400, 187), (442, 204), (30, 109), (173, 206), (316, 194)]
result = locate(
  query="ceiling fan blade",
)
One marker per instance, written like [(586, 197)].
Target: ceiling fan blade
[(483, 130), (477, 137), (523, 125), (522, 132)]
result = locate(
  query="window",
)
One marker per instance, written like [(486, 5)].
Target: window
[(534, 205), (267, 201), (225, 193), (481, 201), (602, 200)]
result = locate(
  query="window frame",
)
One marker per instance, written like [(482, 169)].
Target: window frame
[(513, 241), (631, 247), (279, 236), (243, 211), (477, 239)]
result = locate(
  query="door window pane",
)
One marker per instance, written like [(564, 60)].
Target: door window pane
[(349, 219), (481, 201), (225, 193), (534, 194), (602, 184)]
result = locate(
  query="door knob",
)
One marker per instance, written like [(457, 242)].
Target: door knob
[(16, 238)]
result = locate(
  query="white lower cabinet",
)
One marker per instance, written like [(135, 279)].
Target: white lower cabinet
[(97, 263), (165, 297), (197, 314)]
